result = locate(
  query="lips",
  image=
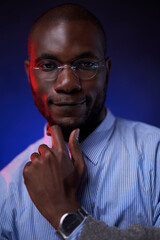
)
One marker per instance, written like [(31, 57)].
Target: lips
[(70, 103)]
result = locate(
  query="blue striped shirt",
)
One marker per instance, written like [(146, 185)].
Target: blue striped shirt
[(122, 182)]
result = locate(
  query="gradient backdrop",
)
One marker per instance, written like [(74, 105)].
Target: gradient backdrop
[(133, 33)]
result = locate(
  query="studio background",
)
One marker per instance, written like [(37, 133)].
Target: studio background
[(133, 34)]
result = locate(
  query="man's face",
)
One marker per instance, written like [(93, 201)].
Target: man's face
[(68, 101)]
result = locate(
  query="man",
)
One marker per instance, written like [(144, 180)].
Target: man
[(112, 174)]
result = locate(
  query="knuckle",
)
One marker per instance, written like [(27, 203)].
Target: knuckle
[(48, 154), (60, 151), (60, 154), (42, 148), (44, 151)]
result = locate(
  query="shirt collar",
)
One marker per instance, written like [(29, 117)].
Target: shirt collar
[(94, 144), (92, 147)]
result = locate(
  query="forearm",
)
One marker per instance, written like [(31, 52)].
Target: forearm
[(95, 230)]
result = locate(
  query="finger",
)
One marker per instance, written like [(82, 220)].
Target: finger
[(76, 153), (34, 156), (60, 150), (26, 171), (44, 150), (57, 136)]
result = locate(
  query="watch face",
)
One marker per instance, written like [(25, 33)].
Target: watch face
[(70, 222)]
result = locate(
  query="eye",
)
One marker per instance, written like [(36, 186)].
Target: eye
[(47, 65), (86, 65)]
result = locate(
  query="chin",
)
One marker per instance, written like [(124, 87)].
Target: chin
[(67, 128), (68, 124)]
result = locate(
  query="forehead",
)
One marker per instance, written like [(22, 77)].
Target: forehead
[(66, 39)]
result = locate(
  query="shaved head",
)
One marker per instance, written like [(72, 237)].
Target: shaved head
[(64, 13)]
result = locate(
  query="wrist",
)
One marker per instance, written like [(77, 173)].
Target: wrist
[(61, 212)]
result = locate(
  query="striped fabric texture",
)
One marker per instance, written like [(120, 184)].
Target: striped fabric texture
[(121, 185)]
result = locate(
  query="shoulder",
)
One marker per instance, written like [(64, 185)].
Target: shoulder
[(12, 174), (141, 140), (137, 130)]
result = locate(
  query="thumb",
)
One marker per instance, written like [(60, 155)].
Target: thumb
[(76, 153)]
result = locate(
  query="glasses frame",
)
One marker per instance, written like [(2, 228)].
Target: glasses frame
[(73, 68)]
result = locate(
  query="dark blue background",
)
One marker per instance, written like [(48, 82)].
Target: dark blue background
[(133, 33)]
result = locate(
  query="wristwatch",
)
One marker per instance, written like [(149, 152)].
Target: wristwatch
[(70, 221)]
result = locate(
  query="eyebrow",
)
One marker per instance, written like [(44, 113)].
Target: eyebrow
[(45, 56), (79, 56), (86, 55)]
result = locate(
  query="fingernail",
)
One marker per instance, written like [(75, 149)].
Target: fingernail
[(48, 131), (77, 134)]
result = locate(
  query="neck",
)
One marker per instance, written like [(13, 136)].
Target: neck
[(91, 126), (87, 128)]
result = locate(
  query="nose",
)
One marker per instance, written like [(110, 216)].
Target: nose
[(67, 82)]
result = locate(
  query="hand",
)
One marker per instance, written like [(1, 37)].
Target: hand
[(52, 177)]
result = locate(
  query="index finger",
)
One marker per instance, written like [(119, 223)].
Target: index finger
[(57, 137)]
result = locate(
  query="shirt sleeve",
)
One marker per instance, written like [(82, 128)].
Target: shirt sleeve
[(155, 181), (95, 230), (3, 219)]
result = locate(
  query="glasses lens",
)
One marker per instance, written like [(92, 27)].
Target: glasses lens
[(47, 69), (85, 68)]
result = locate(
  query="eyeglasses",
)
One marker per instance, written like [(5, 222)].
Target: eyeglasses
[(84, 69)]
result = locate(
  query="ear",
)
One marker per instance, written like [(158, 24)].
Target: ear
[(27, 67), (108, 67), (108, 64)]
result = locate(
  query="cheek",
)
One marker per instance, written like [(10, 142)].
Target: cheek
[(39, 89), (95, 89), (39, 86)]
